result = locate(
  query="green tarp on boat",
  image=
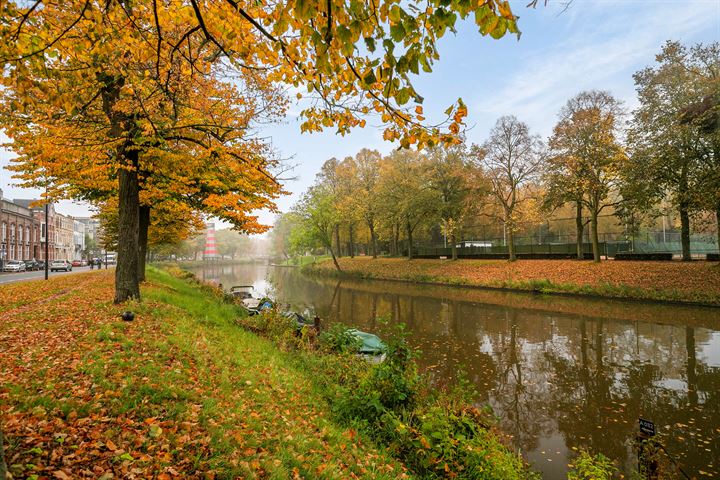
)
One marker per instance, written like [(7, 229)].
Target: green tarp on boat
[(371, 344)]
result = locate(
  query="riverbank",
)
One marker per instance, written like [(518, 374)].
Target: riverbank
[(181, 392), (691, 282)]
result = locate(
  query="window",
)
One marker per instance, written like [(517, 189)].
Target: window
[(12, 233), (27, 235), (20, 234), (4, 232)]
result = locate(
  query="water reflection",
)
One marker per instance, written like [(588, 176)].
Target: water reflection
[(561, 373)]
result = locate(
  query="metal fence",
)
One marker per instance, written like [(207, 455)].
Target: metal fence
[(610, 244)]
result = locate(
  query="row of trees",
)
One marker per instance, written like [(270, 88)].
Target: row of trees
[(598, 159)]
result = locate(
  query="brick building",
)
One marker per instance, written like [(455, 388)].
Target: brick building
[(19, 232), (38, 214)]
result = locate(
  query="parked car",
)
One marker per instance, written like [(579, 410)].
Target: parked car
[(40, 264), (77, 263), (14, 266), (57, 265), (31, 265)]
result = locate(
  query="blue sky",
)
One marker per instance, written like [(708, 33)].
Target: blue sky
[(593, 44)]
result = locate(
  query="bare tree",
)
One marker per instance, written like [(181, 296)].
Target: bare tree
[(512, 159)]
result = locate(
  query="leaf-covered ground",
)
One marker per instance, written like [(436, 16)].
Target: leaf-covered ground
[(181, 392), (674, 281)]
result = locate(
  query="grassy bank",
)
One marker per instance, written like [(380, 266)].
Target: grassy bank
[(181, 392), (303, 260), (687, 282)]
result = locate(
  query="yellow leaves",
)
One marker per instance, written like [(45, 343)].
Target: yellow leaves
[(504, 9), (460, 113)]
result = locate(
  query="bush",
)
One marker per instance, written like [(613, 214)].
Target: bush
[(338, 339), (387, 386), (281, 329), (588, 467)]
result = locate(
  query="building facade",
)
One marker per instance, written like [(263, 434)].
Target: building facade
[(92, 228), (44, 231), (64, 237), (79, 230), (19, 233)]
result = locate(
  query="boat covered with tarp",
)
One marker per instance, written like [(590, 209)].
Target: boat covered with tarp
[(369, 344)]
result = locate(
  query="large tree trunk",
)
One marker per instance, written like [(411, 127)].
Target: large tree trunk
[(410, 240), (579, 227), (144, 225), (373, 238), (126, 271), (685, 230), (594, 233), (351, 243), (453, 246)]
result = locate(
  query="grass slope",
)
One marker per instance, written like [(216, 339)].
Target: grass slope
[(181, 392), (692, 282)]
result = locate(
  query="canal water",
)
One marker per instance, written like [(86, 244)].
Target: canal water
[(561, 373)]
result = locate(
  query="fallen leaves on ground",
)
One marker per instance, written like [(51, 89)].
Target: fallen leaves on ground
[(174, 394), (678, 281)]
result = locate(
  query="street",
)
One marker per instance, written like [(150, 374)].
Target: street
[(7, 277)]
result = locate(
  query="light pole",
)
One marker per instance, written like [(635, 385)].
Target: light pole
[(47, 241)]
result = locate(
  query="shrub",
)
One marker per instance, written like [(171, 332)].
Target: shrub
[(588, 467), (387, 386), (338, 339)]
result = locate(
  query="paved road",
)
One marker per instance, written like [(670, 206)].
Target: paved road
[(7, 277)]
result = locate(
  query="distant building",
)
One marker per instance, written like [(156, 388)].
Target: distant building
[(49, 232), (64, 237), (19, 232), (92, 227), (79, 230)]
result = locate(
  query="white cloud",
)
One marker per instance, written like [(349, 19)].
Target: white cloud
[(613, 40)]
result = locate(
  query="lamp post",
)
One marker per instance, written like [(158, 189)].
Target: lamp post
[(47, 241)]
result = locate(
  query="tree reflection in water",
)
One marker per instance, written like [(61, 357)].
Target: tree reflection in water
[(557, 381)]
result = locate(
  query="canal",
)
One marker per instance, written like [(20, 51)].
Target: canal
[(560, 373)]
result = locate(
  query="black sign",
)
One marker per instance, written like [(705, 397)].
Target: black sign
[(647, 427)]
